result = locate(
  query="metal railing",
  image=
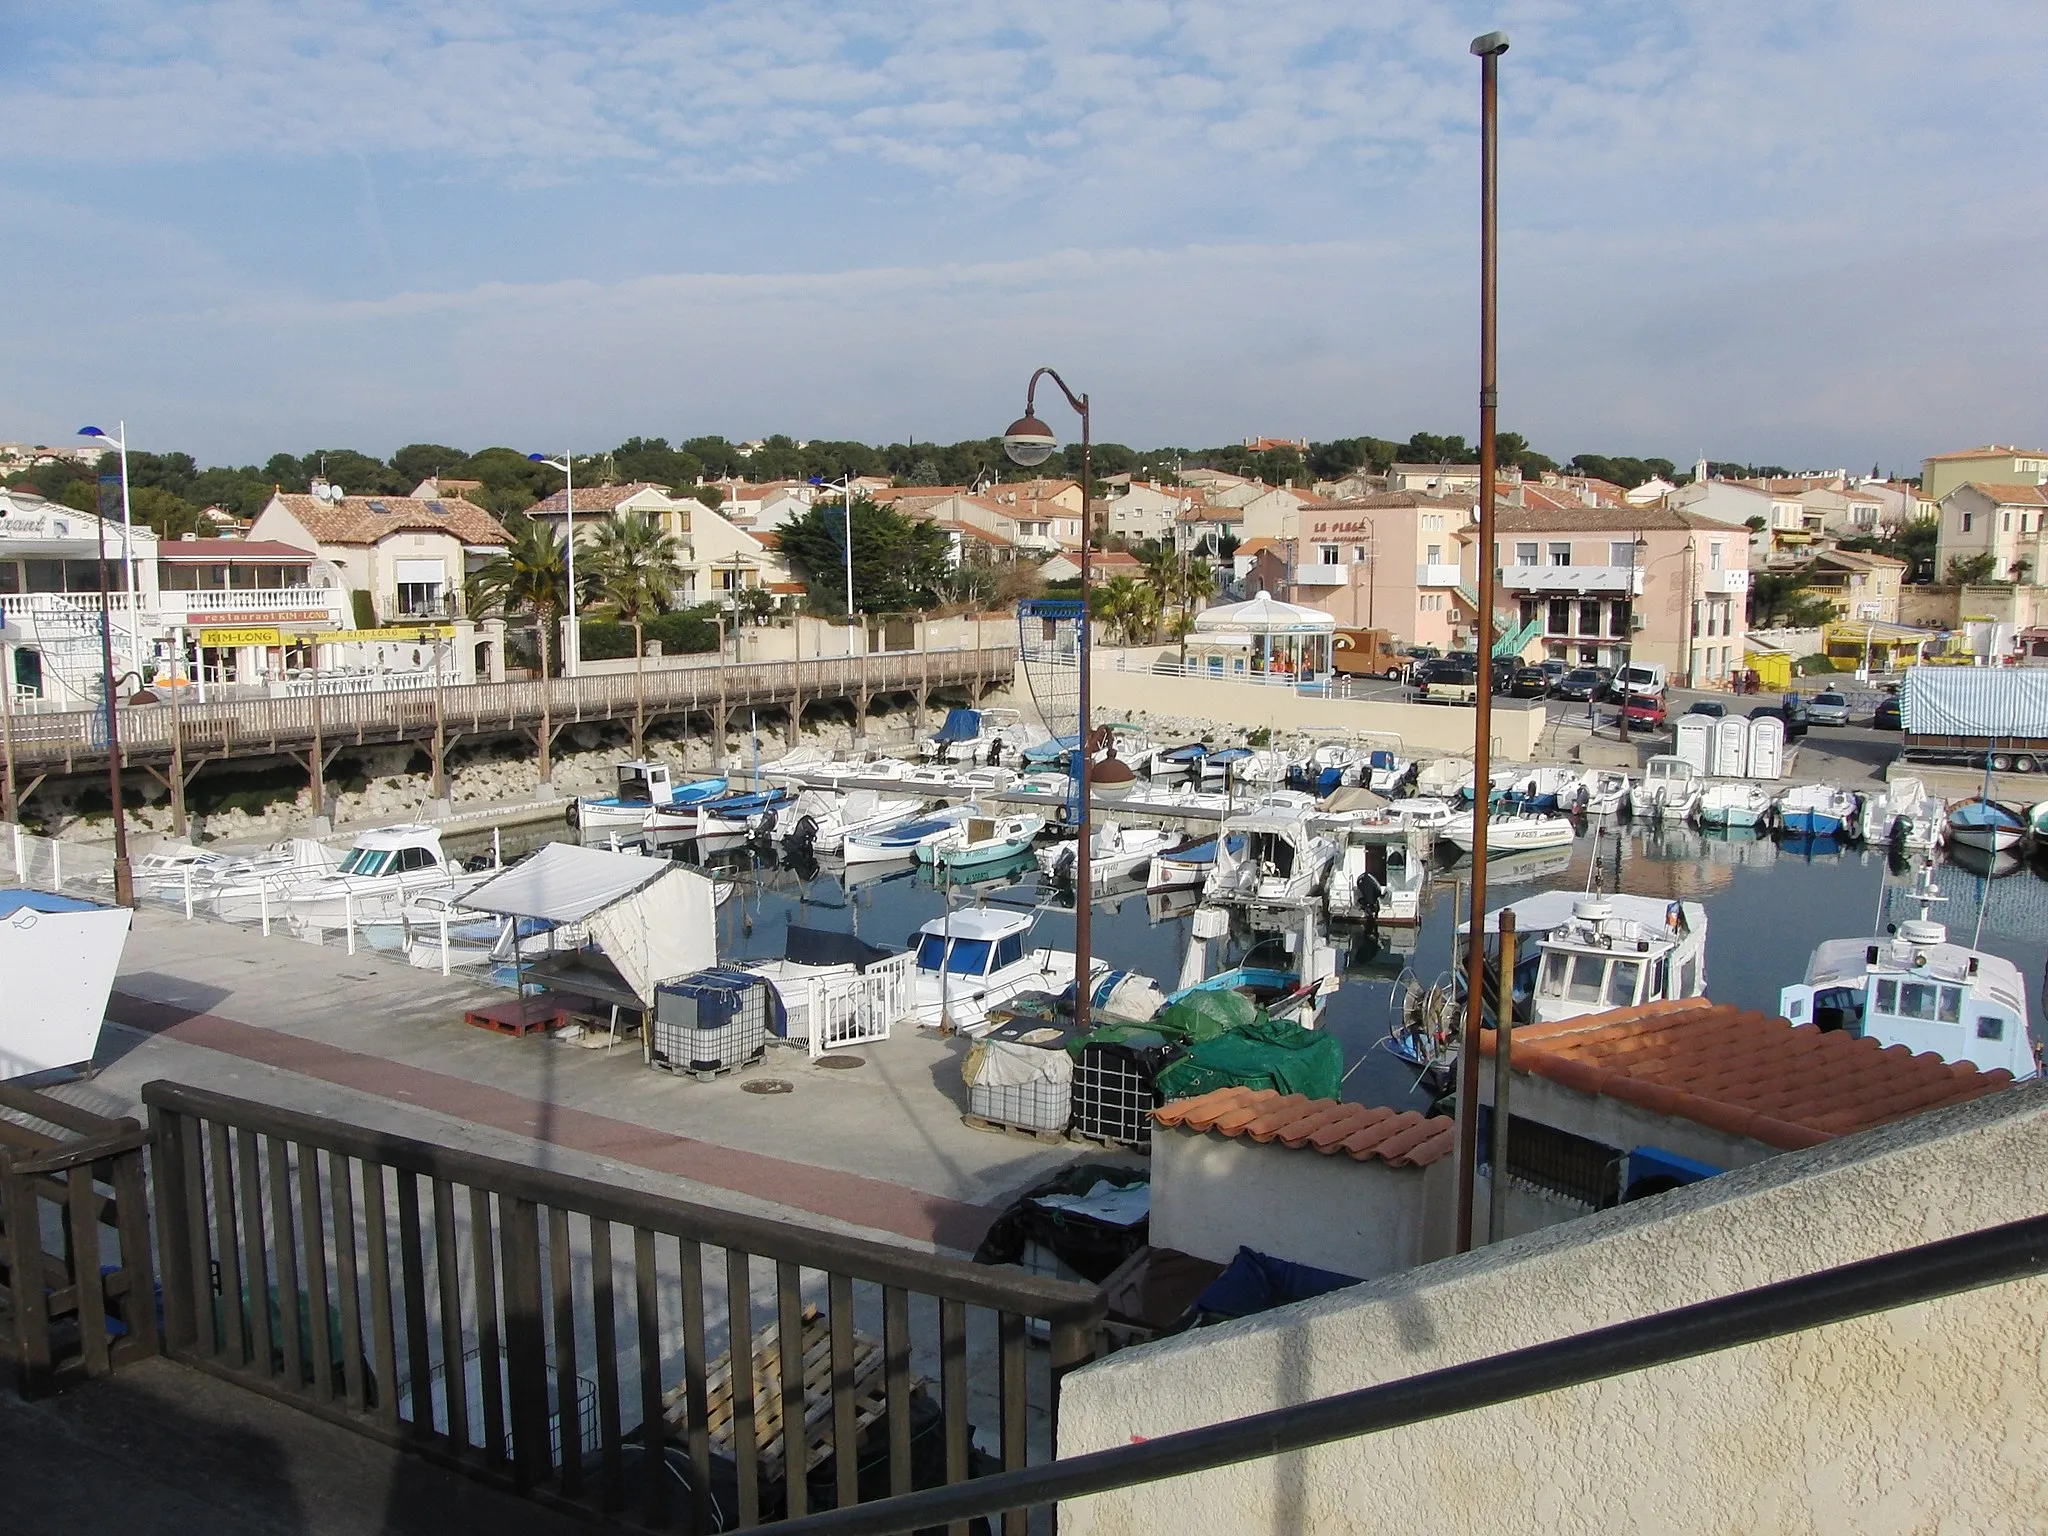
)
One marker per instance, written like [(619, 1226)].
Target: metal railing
[(76, 1282), (575, 1340), (268, 724), (1993, 1256)]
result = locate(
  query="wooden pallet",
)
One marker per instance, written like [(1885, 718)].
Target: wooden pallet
[(1110, 1143), (870, 1389), (519, 1016), (1028, 1133)]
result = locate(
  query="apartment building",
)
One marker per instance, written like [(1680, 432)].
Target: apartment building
[(718, 556), (410, 556), (1861, 586), (1992, 464), (2005, 522), (1388, 561), (1597, 586)]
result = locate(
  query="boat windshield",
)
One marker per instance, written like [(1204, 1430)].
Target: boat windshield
[(366, 861), (969, 957), (1920, 1000), (1584, 978), (633, 789)]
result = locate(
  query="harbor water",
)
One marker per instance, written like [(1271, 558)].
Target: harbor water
[(1768, 903)]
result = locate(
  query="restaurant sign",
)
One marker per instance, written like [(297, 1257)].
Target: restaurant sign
[(228, 639)]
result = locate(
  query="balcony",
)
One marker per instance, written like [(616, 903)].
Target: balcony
[(204, 607), (1567, 580), (1427, 575), (1322, 576), (1725, 583)]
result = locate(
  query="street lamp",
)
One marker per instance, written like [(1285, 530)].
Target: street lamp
[(572, 649), (1488, 48), (120, 445), (1628, 630), (845, 490), (1030, 442)]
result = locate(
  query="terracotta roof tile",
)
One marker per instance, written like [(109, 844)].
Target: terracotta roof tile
[(596, 498), (2011, 495), (269, 551), (1401, 1139), (367, 519), (1744, 1072)]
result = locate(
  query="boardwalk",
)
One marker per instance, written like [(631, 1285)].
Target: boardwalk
[(173, 740)]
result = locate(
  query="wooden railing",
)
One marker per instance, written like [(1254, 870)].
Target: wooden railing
[(557, 1334), (77, 1288), (272, 724)]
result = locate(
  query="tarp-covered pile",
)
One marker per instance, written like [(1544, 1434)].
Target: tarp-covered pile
[(1266, 1053)]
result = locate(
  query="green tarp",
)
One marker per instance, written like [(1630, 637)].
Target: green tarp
[(1265, 1053), (1207, 1013)]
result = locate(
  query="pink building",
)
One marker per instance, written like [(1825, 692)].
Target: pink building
[(1381, 562)]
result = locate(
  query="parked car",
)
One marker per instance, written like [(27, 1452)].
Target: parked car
[(1829, 708), (1889, 717), (1449, 683), (1581, 683), (1645, 712), (1554, 668), (1525, 683), (1793, 712), (1713, 709)]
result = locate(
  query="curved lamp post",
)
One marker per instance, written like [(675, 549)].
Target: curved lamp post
[(572, 647), (124, 876), (1030, 442)]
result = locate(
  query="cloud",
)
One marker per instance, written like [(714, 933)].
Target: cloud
[(1721, 220)]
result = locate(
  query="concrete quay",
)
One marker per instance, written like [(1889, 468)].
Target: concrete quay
[(878, 1149)]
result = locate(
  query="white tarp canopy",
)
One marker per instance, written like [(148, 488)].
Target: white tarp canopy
[(654, 919), (1265, 615)]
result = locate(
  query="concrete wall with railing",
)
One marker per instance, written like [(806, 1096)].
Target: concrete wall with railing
[(1933, 1417), (1125, 685)]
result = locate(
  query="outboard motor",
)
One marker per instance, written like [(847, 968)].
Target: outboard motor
[(1367, 894), (804, 835)]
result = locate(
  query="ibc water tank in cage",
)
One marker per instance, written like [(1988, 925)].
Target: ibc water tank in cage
[(710, 1022)]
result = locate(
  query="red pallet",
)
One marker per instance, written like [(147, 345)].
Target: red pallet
[(518, 1016)]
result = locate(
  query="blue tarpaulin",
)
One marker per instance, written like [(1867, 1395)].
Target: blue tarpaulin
[(961, 725), (1258, 1282)]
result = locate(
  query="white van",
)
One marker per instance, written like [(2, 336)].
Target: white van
[(1641, 680)]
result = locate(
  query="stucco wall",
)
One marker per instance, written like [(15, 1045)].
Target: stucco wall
[(1933, 1418), (1212, 1194), (1436, 727)]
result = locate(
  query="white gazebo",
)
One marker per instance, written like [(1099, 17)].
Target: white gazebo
[(1286, 636)]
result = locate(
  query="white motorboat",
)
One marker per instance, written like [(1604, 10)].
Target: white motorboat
[(1183, 797), (1330, 766), (1441, 778), (796, 765), (1380, 882), (822, 819), (1546, 787), (177, 874), (939, 778), (971, 960), (1509, 832), (1906, 814), (987, 780), (248, 890), (1270, 857), (902, 839), (1384, 771), (642, 786), (1267, 766), (1913, 987), (381, 873), (980, 841), (1113, 853), (1580, 953), (1602, 792), (1734, 803), (991, 736), (1669, 791), (1390, 823)]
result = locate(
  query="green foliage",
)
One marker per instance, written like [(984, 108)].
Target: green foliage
[(634, 568), (1428, 448), (899, 563), (753, 604), (1625, 472), (363, 607), (1967, 570), (530, 576), (686, 632), (1784, 601), (1128, 607), (1818, 664)]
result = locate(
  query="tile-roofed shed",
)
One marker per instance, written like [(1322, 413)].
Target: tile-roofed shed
[(1743, 1073), (370, 519), (1398, 1138)]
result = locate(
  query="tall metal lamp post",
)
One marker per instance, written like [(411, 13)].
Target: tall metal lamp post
[(1628, 629), (120, 445), (572, 642), (1030, 442), (1488, 48)]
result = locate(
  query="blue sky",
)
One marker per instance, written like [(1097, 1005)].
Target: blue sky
[(1808, 234)]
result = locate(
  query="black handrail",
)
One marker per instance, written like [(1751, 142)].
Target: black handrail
[(1992, 1256)]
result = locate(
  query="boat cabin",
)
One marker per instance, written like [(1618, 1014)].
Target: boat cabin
[(395, 851), (973, 943), (644, 783), (1582, 953)]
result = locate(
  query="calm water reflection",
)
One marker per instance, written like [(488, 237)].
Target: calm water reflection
[(1767, 905)]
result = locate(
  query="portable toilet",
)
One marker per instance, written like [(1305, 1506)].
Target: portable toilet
[(1731, 747), (1694, 740), (1766, 747)]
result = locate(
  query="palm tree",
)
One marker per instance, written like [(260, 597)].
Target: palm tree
[(1127, 606), (635, 567), (1178, 581), (531, 575)]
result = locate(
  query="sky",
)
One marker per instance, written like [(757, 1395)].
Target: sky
[(1806, 235)]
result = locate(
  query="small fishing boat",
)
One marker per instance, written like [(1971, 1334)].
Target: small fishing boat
[(979, 736), (799, 763), (1602, 792), (1220, 766), (1380, 882), (1443, 778), (1584, 953), (1509, 833), (1330, 766), (1914, 988), (1170, 763), (1818, 810), (2037, 821), (904, 838), (1386, 770), (1270, 857), (1391, 822), (1669, 791), (980, 841), (1904, 813), (1548, 787), (1113, 853), (642, 786), (822, 819), (1265, 767), (735, 813), (1734, 803), (1184, 866), (1984, 823)]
